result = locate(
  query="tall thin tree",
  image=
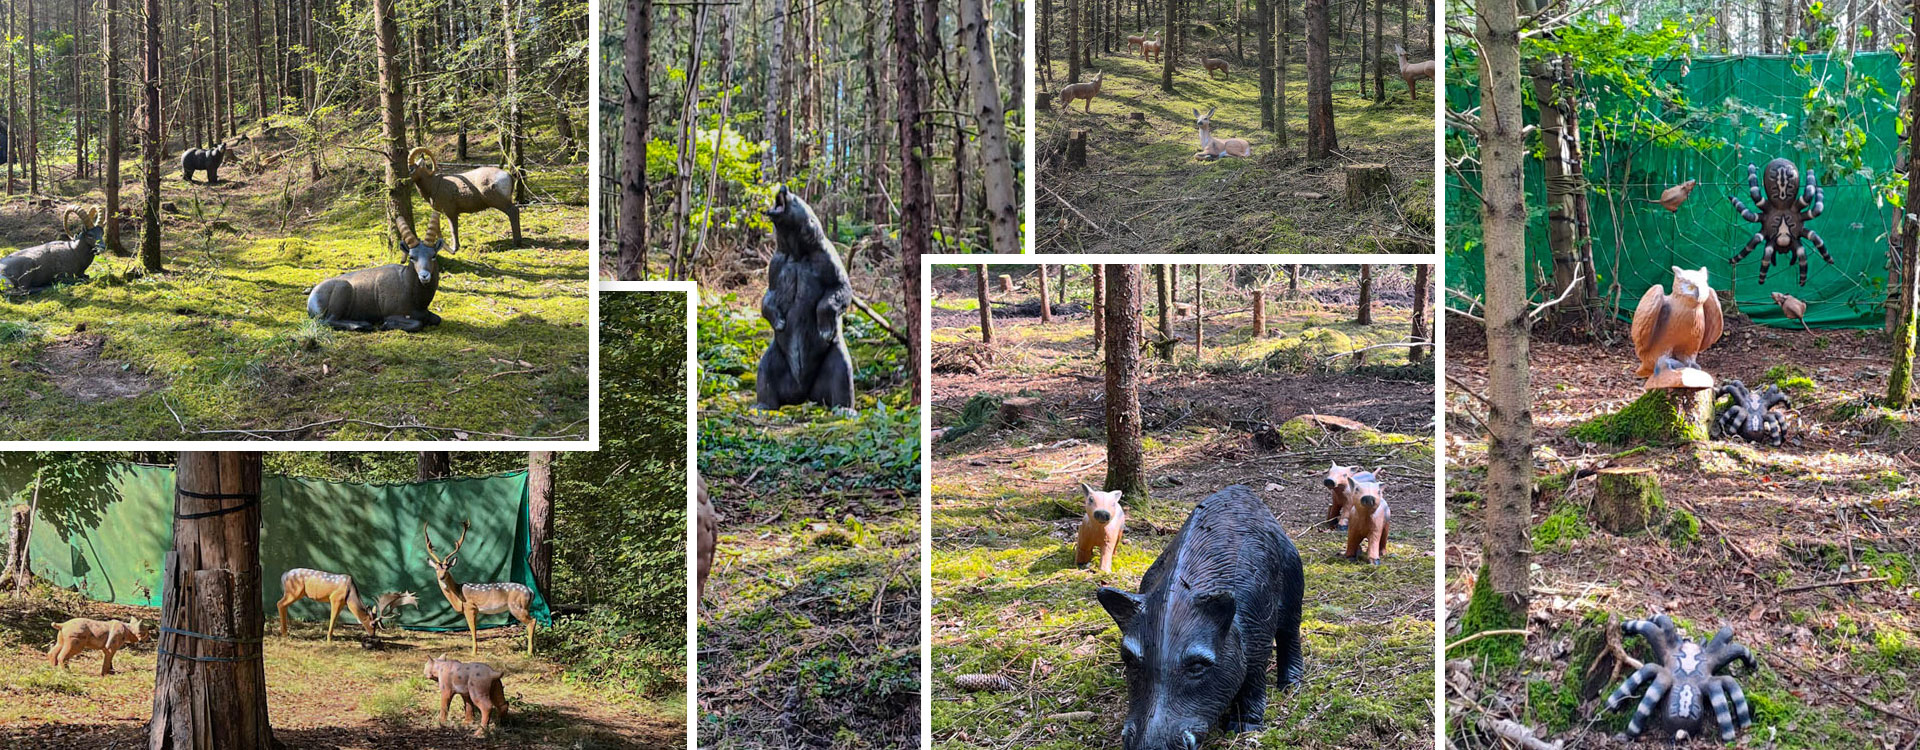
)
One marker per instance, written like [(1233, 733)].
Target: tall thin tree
[(150, 234), (985, 298), (110, 182), (916, 183), (634, 119), (1003, 205), (393, 123), (1321, 141), (1126, 466)]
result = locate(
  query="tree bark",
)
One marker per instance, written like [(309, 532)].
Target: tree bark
[(685, 170), (1073, 41), (150, 236), (1162, 276), (212, 588), (259, 67), (1167, 52), (1560, 139), (1126, 470), (1509, 482), (631, 265), (777, 160), (1199, 318), (79, 93), (1365, 316), (1321, 141), (110, 182), (1099, 306), (1281, 11), (916, 185), (1259, 313), (1046, 302), (986, 304), (1422, 281), (540, 509), (434, 465), (393, 125), (1003, 205), (1266, 45), (33, 106), (514, 147), (1900, 377)]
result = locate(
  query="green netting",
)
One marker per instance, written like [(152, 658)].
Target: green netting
[(107, 537), (1643, 241)]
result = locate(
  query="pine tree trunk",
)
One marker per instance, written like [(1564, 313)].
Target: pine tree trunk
[(1163, 278), (1266, 44), (685, 166), (631, 265), (259, 67), (1073, 42), (433, 465), (1422, 281), (1509, 481), (1003, 204), (1167, 52), (777, 161), (1046, 302), (1126, 470), (1282, 11), (986, 303), (1378, 58), (393, 125), (1365, 316), (540, 510), (1199, 318), (916, 184), (111, 182), (150, 236), (1900, 377), (33, 106), (79, 91), (212, 588), (1321, 141)]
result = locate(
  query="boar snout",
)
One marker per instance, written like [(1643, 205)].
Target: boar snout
[(1103, 515), (1369, 501), (1171, 736), (1328, 481)]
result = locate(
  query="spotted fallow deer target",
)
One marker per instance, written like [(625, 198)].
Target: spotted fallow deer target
[(333, 588), (474, 599)]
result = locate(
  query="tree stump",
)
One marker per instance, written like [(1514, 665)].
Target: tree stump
[(1661, 416), (17, 568), (1140, 117), (1077, 148), (1625, 498), (1042, 100), (1365, 182), (1182, 309), (1259, 313), (1017, 411), (1006, 283)]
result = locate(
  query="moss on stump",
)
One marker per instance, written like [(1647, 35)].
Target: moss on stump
[(1488, 610), (1660, 416), (1626, 498)]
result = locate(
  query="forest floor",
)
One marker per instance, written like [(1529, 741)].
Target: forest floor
[(1836, 502), (1143, 190), (222, 341), (810, 630), (1008, 600), (320, 695)]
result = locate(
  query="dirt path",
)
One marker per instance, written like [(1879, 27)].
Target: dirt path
[(1009, 601), (1836, 502), (320, 695), (1143, 190)]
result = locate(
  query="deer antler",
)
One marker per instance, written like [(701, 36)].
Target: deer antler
[(464, 525), (429, 538)]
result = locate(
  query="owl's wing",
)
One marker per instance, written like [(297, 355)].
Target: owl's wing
[(1646, 317), (1714, 321)]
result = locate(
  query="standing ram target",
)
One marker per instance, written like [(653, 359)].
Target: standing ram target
[(38, 267), (468, 192), (393, 296)]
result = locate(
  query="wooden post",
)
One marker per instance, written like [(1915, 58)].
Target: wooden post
[(1077, 148), (1365, 182), (1625, 497), (1259, 313), (1046, 301), (210, 689)]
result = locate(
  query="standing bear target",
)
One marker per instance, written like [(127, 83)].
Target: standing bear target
[(807, 293)]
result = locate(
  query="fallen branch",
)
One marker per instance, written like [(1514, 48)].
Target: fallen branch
[(1404, 344), (1540, 309), (1076, 212), (1516, 733), (878, 318), (1854, 694), (1483, 634), (1847, 582)]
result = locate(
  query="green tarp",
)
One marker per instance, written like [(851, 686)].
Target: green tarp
[(1645, 241), (108, 537)]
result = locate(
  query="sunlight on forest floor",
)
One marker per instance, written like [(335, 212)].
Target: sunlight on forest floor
[(1143, 190), (1010, 602), (320, 695), (223, 339)]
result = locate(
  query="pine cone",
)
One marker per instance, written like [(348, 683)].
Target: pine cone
[(982, 682)]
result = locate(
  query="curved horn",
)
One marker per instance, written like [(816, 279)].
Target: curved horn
[(433, 233), (433, 162), (91, 217), (63, 220)]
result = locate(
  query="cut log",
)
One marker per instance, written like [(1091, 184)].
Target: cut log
[(1077, 148), (1018, 410), (1259, 313), (1366, 183), (1140, 117), (1006, 283), (1332, 422), (1625, 498)]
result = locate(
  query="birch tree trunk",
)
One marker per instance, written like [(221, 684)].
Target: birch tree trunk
[(1003, 205)]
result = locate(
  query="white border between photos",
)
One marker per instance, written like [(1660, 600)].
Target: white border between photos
[(1437, 277)]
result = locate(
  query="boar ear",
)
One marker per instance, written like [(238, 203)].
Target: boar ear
[(1086, 489), (1120, 604), (1217, 606)]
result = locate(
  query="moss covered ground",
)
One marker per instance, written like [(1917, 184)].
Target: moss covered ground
[(810, 630), (1753, 536), (221, 339), (1008, 601), (1143, 190), (334, 696)]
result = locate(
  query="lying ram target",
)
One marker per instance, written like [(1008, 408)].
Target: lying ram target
[(468, 192), (393, 296), (38, 267)]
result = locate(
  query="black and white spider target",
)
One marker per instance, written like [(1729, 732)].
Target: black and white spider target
[(1681, 685), (1751, 415), (1785, 207)]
